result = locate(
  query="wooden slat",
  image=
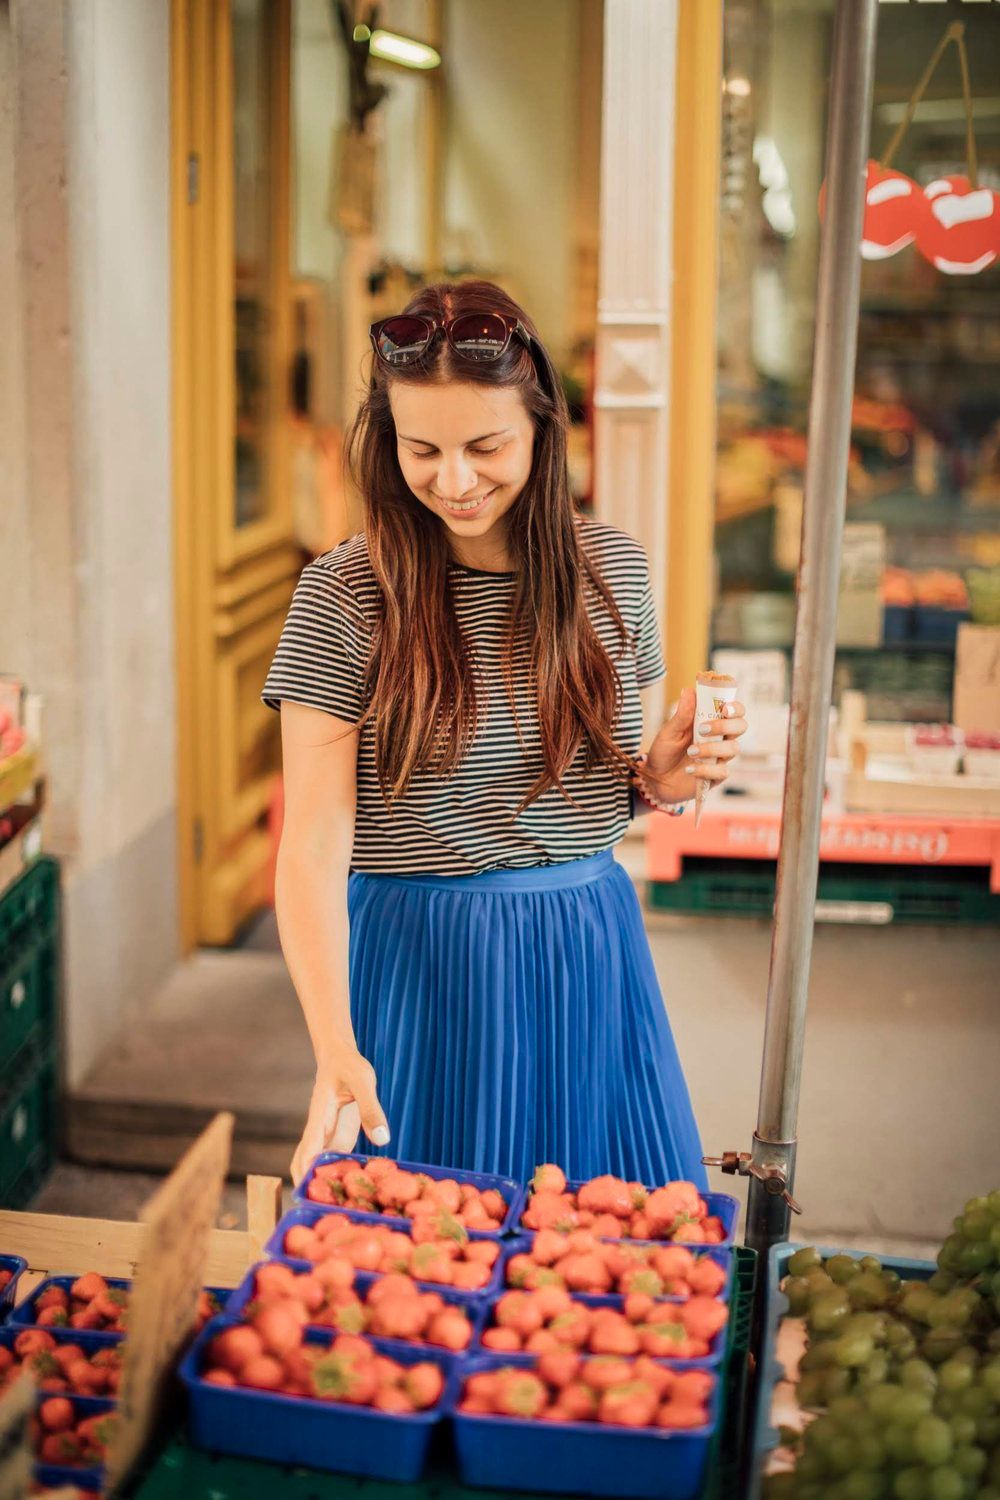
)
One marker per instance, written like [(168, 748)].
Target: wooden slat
[(263, 1212)]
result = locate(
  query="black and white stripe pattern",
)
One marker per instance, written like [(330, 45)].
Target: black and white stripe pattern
[(463, 825)]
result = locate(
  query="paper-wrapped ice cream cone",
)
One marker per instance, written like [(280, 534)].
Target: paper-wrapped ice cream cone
[(713, 690)]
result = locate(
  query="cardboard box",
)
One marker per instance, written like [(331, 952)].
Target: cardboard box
[(977, 679)]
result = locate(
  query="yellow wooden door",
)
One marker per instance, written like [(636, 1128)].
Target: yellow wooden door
[(236, 554)]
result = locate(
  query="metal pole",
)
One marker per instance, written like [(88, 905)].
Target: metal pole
[(829, 436)]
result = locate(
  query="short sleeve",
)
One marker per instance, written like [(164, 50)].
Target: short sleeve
[(649, 664), (321, 655)]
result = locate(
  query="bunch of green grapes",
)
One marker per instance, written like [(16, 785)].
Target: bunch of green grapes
[(905, 1376)]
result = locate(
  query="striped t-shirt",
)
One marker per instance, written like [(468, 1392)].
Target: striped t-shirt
[(464, 824)]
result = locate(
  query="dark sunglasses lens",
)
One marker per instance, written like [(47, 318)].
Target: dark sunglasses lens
[(479, 336), (402, 340)]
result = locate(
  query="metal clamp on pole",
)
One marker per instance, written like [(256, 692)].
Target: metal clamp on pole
[(742, 1164)]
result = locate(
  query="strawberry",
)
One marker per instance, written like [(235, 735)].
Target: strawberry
[(86, 1288), (678, 1415), (519, 1269), (219, 1377), (559, 1367), (547, 1247), (445, 1193), (693, 1387), (52, 1296), (608, 1226), (393, 1399), (585, 1273), (279, 1329), (95, 1433), (495, 1205), (573, 1326), (505, 1340), (578, 1402), (548, 1179), (234, 1348), (640, 1227), (31, 1341), (631, 1404), (605, 1370), (614, 1335), (484, 1252), (300, 1242), (450, 1329), (470, 1276), (690, 1234), (703, 1317), (344, 1377), (639, 1194), (56, 1317), (606, 1195), (541, 1342), (60, 1448), (518, 1310), (673, 1262), (638, 1306), (706, 1277), (423, 1384), (660, 1379), (262, 1373), (519, 1393), (399, 1318), (553, 1300), (56, 1415), (642, 1279)]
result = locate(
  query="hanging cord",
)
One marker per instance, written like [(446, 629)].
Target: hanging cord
[(954, 33)]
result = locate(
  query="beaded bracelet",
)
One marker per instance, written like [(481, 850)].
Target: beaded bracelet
[(672, 809)]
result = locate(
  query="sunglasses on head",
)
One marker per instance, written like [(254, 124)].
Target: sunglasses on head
[(476, 337)]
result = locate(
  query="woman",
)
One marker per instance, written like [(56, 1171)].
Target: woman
[(460, 716)]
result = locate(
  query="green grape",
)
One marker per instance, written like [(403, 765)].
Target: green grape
[(916, 1301), (918, 1375), (818, 1356), (976, 1402), (841, 1268), (780, 1486), (990, 1378), (870, 1263), (974, 1256), (977, 1223), (993, 1203), (910, 1484), (900, 1341), (875, 1324), (867, 1289), (876, 1370), (804, 1260), (939, 1344), (841, 1455), (911, 1406), (988, 1432), (851, 1350), (976, 1205), (932, 1441), (947, 1405), (893, 1281), (941, 1281), (945, 1484), (818, 1281), (955, 1375), (797, 1292), (836, 1383), (820, 1434), (969, 1461), (827, 1311), (963, 1428), (863, 1486), (871, 1452), (988, 1492), (948, 1254), (995, 1236)]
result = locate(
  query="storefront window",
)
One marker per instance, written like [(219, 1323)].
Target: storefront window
[(922, 549)]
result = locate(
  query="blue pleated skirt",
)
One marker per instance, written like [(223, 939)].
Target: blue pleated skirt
[(514, 1017)]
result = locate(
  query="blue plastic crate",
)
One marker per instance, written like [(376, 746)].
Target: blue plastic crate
[(25, 1314), (308, 1214), (593, 1299), (331, 1435), (721, 1205), (475, 1307), (897, 623), (513, 1192), (55, 1475), (578, 1458), (17, 1265), (770, 1369), (722, 1255), (89, 1342), (936, 624)]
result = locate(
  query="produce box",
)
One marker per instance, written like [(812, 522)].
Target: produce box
[(771, 1371), (13, 1266), (579, 1458), (310, 1214), (513, 1192), (325, 1434), (28, 1108)]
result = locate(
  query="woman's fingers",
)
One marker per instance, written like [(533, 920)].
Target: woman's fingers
[(729, 729), (344, 1136), (720, 750)]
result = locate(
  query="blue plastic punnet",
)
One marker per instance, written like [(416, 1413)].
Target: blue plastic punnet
[(26, 1313), (309, 1214), (475, 1308), (720, 1205), (578, 1458), (56, 1475), (513, 1192), (332, 1435), (16, 1265)]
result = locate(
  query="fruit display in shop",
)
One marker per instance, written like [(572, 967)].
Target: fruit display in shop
[(380, 1186), (392, 1307), (61, 1366), (903, 1376), (450, 1256), (612, 1208), (550, 1318), (582, 1262), (350, 1369), (566, 1387), (61, 1436)]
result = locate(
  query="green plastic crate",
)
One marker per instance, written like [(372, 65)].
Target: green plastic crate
[(28, 1125), (897, 893), (183, 1470), (29, 963)]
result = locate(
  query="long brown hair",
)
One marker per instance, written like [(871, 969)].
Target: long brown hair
[(420, 680)]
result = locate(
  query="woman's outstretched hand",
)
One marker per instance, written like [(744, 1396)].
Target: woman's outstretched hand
[(344, 1101), (676, 761)]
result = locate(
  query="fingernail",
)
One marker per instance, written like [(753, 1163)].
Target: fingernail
[(693, 750), (380, 1136), (689, 770), (728, 711)]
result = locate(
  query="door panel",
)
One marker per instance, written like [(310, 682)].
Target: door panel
[(236, 554)]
